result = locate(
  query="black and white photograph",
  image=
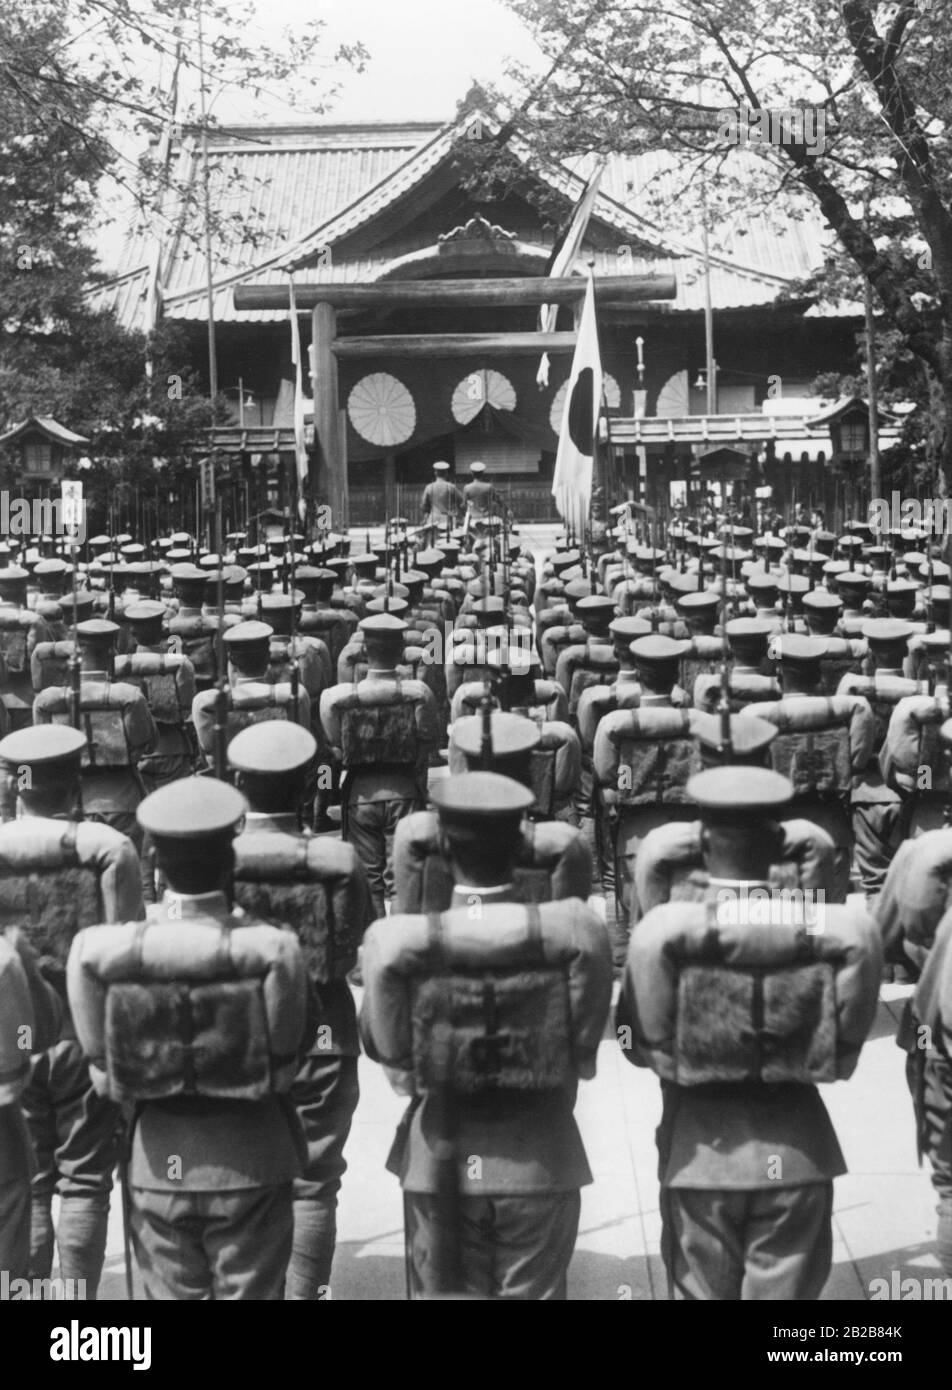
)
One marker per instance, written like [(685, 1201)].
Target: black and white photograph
[(475, 647)]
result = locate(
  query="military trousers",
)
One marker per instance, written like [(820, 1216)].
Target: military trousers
[(325, 1095), (74, 1133), (517, 1247), (213, 1246), (735, 1244), (930, 1082), (16, 1166), (371, 826)]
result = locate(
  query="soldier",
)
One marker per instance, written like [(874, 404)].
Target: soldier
[(251, 696), (515, 1214), (382, 731), (119, 726), (57, 876), (479, 498), (318, 886), (441, 504), (746, 1148), (215, 1147)]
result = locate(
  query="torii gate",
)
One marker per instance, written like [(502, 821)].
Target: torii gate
[(323, 301)]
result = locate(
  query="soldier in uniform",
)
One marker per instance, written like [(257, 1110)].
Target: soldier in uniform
[(319, 887), (215, 1147), (381, 731), (59, 874), (516, 1212), (479, 498), (747, 1151), (442, 503)]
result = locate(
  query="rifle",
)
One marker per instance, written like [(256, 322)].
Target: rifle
[(75, 665), (220, 732), (292, 648), (724, 708)]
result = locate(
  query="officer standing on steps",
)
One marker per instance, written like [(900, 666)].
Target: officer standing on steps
[(58, 875), (489, 1154), (442, 502), (215, 1145), (318, 886), (747, 1153)]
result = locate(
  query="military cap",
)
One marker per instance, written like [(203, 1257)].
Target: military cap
[(937, 599), (901, 593), (49, 567), (853, 585), (796, 534), (774, 546), (234, 537), (47, 750), (748, 793), (656, 650), (834, 568), (430, 557), (936, 643), (796, 650), (233, 577), (13, 579), (577, 589), (187, 572), (749, 632), (565, 560), (163, 543), (794, 584), (261, 573), (101, 542), (945, 733), (824, 541), (484, 797), (132, 550), (488, 609), (679, 583), (211, 562), (879, 556), (146, 613), (395, 590), (762, 584), (477, 467), (750, 737), (512, 735), (628, 628), (414, 579), (97, 631), (181, 538), (821, 601), (596, 607), (450, 550), (392, 604), (887, 631), (277, 610), (364, 560), (698, 601), (337, 564), (441, 466), (850, 544), (178, 555), (383, 625), (82, 600), (275, 748), (245, 635), (193, 808), (940, 570)]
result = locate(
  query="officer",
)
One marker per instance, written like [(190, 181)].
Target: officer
[(515, 1213), (381, 731), (57, 875), (318, 886), (441, 504), (746, 1148), (215, 1146), (479, 497)]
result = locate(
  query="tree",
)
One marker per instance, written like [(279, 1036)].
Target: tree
[(843, 106)]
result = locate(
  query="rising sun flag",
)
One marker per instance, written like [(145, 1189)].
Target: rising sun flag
[(574, 463)]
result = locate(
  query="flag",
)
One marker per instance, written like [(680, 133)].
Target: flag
[(563, 257), (300, 447), (572, 482)]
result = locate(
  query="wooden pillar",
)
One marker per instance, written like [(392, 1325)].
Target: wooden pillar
[(390, 484), (332, 471)]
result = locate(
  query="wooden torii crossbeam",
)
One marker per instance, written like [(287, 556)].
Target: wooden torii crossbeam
[(324, 300)]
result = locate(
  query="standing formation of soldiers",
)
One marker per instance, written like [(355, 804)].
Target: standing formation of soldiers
[(236, 787)]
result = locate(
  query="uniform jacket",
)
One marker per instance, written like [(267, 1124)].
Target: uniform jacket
[(377, 691), (246, 701)]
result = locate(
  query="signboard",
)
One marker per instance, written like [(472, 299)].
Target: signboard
[(206, 473)]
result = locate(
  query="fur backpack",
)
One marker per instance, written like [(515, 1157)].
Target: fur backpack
[(198, 1009), (313, 885), (46, 890)]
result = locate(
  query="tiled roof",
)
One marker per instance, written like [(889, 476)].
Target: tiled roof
[(308, 188)]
